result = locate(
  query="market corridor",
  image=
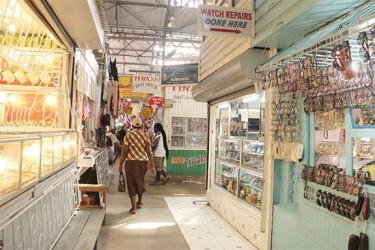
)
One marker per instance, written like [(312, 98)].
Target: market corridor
[(168, 220)]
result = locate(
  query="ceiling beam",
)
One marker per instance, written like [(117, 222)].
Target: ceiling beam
[(154, 39), (141, 21), (157, 5), (144, 71), (131, 63), (113, 26), (135, 50), (127, 55)]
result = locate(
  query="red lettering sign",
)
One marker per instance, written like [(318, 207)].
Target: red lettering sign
[(156, 101)]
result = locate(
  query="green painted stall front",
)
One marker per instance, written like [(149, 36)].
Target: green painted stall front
[(187, 162)]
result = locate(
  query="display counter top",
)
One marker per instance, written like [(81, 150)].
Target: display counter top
[(88, 161), (8, 130)]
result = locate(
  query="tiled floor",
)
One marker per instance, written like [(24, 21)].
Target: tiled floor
[(202, 227), (169, 220)]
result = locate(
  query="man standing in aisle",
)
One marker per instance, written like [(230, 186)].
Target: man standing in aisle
[(136, 154)]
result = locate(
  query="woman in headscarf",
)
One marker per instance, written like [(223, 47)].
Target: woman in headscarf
[(136, 154), (161, 152)]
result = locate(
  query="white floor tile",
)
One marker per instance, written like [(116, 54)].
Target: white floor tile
[(203, 228)]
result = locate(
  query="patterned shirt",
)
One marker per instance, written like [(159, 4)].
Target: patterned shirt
[(138, 144)]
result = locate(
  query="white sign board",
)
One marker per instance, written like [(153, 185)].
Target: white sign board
[(216, 20), (146, 84)]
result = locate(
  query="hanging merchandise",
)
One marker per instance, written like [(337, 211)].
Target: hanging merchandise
[(367, 43), (112, 96), (329, 75)]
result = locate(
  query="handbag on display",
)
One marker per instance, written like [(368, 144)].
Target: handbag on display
[(121, 187)]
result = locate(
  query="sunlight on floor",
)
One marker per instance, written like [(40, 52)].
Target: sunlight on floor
[(149, 225)]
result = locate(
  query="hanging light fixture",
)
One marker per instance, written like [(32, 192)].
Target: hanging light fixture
[(171, 23)]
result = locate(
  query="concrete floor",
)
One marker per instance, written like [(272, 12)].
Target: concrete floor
[(153, 227)]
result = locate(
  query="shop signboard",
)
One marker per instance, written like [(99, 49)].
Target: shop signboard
[(179, 74), (217, 20), (126, 92), (126, 110), (148, 84), (187, 162), (156, 101), (146, 113)]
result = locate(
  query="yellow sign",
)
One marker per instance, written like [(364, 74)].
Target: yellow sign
[(146, 113), (127, 110), (126, 92)]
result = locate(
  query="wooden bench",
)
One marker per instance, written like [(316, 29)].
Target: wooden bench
[(82, 231)]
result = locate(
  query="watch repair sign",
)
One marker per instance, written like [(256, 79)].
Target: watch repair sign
[(235, 22)]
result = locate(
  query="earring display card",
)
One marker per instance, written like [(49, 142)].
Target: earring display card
[(330, 137)]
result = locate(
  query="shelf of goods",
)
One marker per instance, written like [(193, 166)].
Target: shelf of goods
[(94, 170), (188, 132), (26, 159), (239, 169)]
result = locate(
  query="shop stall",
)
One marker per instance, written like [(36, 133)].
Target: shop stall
[(321, 91), (236, 153), (38, 150), (186, 129)]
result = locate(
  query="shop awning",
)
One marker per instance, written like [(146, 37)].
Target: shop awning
[(236, 75), (323, 40)]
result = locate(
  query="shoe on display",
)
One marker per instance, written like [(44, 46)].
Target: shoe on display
[(167, 179)]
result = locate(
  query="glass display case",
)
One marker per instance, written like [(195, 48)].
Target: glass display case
[(26, 159), (240, 156), (47, 155), (9, 167), (57, 151), (188, 132), (226, 176), (252, 154), (30, 161), (73, 146), (229, 150), (251, 187), (224, 120), (66, 148), (364, 158), (363, 117)]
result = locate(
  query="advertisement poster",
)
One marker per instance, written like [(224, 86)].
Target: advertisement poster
[(187, 162), (148, 84), (126, 92), (180, 74)]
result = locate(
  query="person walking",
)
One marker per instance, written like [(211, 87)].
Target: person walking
[(161, 152), (135, 155)]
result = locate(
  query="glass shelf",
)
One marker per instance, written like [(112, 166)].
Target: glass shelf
[(26, 159), (251, 188), (253, 154), (226, 176)]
